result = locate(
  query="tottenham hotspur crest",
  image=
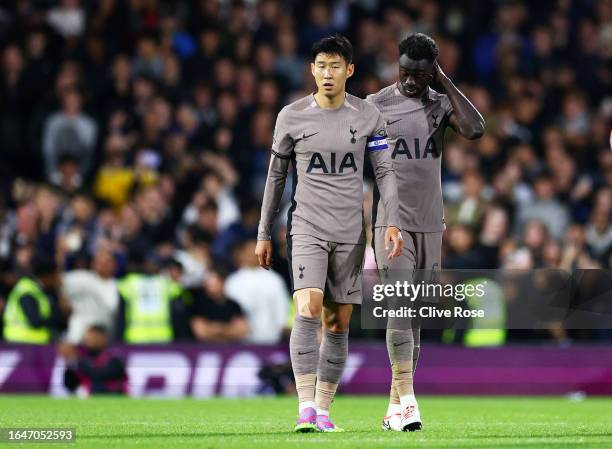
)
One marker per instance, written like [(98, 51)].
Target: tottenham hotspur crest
[(435, 120), (353, 131)]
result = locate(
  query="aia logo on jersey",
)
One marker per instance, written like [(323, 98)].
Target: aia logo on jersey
[(401, 147), (318, 162)]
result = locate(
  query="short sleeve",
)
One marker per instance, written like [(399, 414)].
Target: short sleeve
[(377, 140), (282, 143), (446, 105)]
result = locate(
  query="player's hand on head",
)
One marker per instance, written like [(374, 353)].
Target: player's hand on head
[(263, 251), (438, 73), (394, 235)]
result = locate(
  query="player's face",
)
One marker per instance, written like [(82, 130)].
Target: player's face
[(330, 72), (414, 76)]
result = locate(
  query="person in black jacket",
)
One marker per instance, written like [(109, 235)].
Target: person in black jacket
[(93, 368)]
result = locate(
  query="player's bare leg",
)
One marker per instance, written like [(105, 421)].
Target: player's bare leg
[(304, 349), (332, 360)]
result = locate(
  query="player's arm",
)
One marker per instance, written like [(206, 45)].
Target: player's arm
[(380, 156), (275, 185), (465, 119)]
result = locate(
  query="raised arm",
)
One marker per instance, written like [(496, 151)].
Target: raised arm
[(466, 119)]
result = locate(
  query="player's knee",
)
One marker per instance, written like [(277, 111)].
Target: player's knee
[(337, 320), (308, 302)]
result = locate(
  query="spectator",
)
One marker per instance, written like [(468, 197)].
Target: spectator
[(32, 314), (545, 208), (151, 308), (68, 18), (92, 295), (93, 368), (261, 294), (69, 131), (215, 317)]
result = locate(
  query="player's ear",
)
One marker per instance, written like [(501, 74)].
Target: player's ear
[(350, 70), (312, 68)]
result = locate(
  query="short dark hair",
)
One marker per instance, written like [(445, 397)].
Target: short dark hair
[(334, 45), (419, 46)]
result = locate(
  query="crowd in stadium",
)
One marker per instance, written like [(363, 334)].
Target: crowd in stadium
[(135, 137)]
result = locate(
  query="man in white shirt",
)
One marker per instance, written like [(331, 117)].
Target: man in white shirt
[(262, 294), (92, 295)]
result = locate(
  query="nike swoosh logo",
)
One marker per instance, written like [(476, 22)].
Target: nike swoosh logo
[(394, 121), (400, 344), (304, 136), (304, 353), (354, 291), (334, 363)]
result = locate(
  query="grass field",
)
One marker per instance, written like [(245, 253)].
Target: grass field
[(449, 422)]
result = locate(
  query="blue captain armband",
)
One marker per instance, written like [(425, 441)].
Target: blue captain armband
[(377, 143)]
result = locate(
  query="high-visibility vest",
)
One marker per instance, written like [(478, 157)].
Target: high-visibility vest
[(147, 309), (491, 330), (17, 327)]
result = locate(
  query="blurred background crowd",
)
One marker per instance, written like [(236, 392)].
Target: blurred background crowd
[(135, 136)]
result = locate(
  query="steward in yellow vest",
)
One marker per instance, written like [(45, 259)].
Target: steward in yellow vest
[(151, 309), (31, 315)]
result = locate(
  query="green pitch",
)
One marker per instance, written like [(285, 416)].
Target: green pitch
[(449, 422)]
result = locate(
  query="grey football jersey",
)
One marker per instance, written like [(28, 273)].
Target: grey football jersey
[(415, 128), (327, 148)]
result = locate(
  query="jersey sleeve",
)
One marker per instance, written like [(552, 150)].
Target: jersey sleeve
[(380, 156), (282, 143), (377, 140), (282, 147), (447, 105)]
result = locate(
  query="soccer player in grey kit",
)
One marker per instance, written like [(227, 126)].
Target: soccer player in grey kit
[(326, 137), (416, 118)]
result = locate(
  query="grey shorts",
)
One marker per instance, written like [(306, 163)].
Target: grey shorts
[(422, 251), (335, 268)]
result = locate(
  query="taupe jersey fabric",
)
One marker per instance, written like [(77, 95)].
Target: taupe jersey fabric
[(327, 149), (415, 128)]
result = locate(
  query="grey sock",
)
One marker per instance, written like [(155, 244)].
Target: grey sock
[(400, 345), (303, 345), (334, 350)]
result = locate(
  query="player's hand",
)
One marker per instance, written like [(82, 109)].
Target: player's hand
[(263, 251), (394, 235), (438, 73)]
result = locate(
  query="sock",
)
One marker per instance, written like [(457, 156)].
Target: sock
[(393, 409), (400, 345), (394, 400), (332, 359), (322, 411), (324, 396), (306, 404), (304, 350), (407, 400)]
